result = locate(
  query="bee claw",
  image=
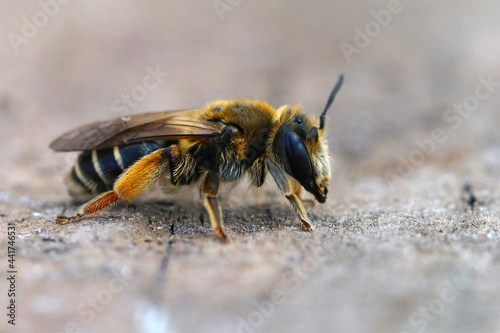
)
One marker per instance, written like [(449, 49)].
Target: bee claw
[(307, 227), (61, 219), (224, 240)]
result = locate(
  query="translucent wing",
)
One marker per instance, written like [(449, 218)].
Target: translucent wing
[(170, 125)]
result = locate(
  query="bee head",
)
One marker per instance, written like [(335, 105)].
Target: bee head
[(300, 148)]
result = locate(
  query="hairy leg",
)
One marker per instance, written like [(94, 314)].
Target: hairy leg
[(133, 182), (209, 191), (288, 191)]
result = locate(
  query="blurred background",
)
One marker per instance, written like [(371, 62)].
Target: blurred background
[(67, 64), (418, 112)]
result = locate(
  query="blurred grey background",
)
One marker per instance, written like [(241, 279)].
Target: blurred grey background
[(409, 67), (422, 59)]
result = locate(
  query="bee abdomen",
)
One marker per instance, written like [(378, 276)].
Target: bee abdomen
[(95, 171)]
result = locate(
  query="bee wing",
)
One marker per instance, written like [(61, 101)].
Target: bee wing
[(170, 125)]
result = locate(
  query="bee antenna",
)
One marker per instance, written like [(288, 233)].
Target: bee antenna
[(330, 101)]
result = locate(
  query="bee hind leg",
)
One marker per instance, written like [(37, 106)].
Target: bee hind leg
[(133, 182), (288, 191), (209, 190)]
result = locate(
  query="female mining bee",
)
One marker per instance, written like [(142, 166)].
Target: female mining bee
[(218, 143)]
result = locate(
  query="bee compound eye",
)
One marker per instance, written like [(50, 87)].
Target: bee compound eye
[(297, 156)]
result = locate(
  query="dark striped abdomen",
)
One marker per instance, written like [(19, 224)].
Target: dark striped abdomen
[(95, 171)]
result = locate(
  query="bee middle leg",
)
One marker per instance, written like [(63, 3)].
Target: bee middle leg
[(209, 191), (289, 192)]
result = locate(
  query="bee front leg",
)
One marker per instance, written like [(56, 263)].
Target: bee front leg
[(209, 190), (297, 190), (288, 191)]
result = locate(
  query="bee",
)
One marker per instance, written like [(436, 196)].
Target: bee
[(220, 142)]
